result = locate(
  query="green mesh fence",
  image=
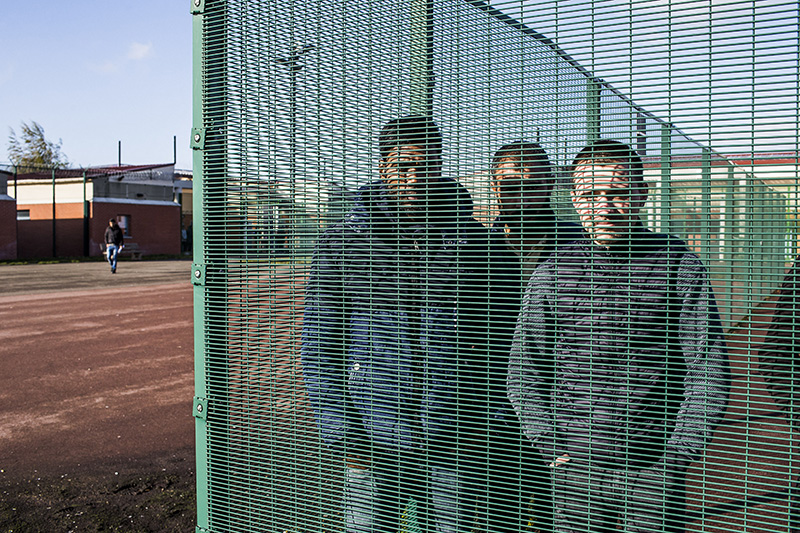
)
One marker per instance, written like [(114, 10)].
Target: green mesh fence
[(393, 339)]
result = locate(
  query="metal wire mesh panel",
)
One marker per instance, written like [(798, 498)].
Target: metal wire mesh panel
[(496, 266)]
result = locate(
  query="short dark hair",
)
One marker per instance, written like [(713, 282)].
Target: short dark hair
[(412, 130), (527, 153), (609, 152)]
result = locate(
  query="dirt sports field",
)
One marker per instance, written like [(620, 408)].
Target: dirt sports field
[(96, 431), (96, 386)]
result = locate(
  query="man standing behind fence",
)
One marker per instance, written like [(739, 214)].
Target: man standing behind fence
[(406, 342), (522, 179), (619, 369)]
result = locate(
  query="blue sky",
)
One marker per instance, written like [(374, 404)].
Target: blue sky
[(94, 73)]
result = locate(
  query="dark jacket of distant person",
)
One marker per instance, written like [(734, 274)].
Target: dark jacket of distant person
[(113, 235)]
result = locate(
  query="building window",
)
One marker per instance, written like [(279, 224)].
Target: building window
[(23, 214), (124, 222)]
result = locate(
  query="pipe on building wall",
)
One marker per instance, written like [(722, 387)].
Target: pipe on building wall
[(53, 175), (85, 219)]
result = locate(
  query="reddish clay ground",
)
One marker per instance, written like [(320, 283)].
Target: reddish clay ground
[(96, 431), (96, 387)]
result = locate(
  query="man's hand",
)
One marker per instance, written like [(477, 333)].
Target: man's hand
[(564, 459)]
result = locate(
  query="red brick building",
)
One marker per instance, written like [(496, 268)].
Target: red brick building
[(8, 221), (64, 213)]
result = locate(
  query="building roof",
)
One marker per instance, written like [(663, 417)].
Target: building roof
[(91, 172), (745, 160)]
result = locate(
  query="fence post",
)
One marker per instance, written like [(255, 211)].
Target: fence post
[(200, 405), (665, 162), (85, 219), (705, 207), (593, 89), (422, 80), (53, 234)]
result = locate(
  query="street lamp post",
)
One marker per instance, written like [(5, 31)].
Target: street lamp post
[(295, 66)]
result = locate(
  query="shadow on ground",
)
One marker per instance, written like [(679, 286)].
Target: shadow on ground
[(141, 498), (96, 388)]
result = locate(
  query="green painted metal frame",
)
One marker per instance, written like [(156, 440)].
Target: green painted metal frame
[(747, 205), (200, 404)]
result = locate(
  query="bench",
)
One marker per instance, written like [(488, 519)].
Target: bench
[(131, 249)]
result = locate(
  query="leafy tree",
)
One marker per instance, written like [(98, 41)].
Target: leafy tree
[(32, 152)]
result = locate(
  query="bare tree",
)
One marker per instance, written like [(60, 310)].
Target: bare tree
[(32, 152)]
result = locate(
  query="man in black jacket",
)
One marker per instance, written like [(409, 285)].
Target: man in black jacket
[(114, 239), (522, 179), (618, 369), (406, 336)]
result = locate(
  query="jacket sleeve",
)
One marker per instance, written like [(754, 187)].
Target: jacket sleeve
[(504, 295), (778, 358), (530, 371), (706, 380), (323, 338)]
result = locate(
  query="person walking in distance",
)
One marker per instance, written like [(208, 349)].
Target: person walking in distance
[(114, 240)]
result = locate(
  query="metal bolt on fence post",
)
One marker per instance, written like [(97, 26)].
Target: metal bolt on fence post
[(199, 408)]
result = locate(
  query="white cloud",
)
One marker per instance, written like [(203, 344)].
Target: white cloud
[(139, 51)]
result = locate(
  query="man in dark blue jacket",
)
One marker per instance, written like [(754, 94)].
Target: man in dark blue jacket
[(405, 345), (618, 369)]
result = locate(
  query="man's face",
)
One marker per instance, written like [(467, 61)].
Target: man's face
[(407, 171), (605, 201), (521, 189)]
